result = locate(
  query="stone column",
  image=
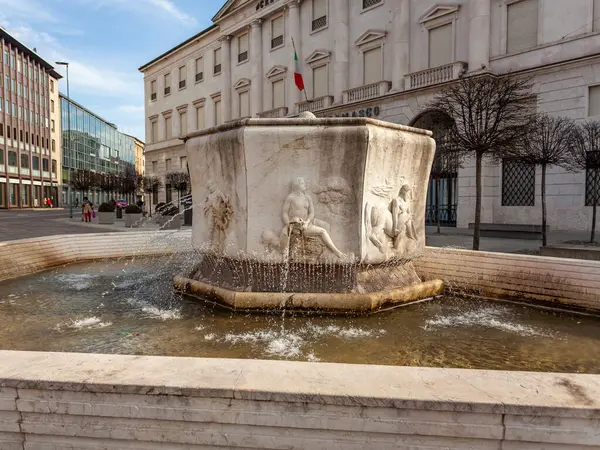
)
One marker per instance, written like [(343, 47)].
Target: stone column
[(226, 74), (479, 35), (340, 12), (401, 22), (256, 61), (294, 27)]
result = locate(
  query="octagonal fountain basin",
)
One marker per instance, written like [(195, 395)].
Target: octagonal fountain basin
[(314, 214), (127, 306)]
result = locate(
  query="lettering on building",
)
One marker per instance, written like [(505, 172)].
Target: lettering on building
[(364, 112), (264, 3)]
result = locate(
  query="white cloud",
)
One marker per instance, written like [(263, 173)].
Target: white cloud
[(30, 10), (157, 8), (168, 7)]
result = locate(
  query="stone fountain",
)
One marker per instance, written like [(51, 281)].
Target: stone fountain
[(310, 214)]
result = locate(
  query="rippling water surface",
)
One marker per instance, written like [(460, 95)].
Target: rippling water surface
[(127, 307)]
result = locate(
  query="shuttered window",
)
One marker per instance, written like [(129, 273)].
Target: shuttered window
[(596, 15), (522, 25), (278, 94), (168, 128), (182, 77), (183, 123), (167, 84), (244, 104), (200, 118), (155, 131), (199, 69), (594, 99), (217, 61), (319, 14), (440, 45), (243, 48), (320, 81), (372, 66), (218, 117), (277, 32)]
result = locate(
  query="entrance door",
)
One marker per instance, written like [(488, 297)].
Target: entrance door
[(442, 193)]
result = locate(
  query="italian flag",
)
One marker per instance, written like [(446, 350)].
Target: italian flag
[(297, 74)]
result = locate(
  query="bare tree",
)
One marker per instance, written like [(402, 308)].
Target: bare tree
[(178, 181), (491, 113), (82, 180), (586, 157), (547, 143), (131, 180), (151, 184)]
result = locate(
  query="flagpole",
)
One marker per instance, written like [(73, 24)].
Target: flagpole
[(296, 53)]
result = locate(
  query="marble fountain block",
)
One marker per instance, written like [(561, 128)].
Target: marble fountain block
[(328, 205)]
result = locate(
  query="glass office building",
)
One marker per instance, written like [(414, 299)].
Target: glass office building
[(96, 145)]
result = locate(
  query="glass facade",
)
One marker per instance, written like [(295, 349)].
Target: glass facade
[(96, 145)]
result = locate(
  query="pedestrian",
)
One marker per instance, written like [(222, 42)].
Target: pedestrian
[(87, 210), (76, 202), (85, 201), (45, 204)]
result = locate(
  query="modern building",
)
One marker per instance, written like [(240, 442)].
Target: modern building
[(387, 59), (96, 146), (30, 138), (138, 150)]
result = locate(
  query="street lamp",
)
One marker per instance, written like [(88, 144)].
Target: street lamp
[(66, 64)]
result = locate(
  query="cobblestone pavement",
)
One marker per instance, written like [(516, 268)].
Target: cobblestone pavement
[(23, 224)]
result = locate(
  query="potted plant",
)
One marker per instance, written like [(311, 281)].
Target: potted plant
[(133, 216), (167, 218), (106, 214)]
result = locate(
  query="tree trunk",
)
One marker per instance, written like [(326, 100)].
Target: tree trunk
[(477, 229), (544, 237), (437, 204), (593, 237)]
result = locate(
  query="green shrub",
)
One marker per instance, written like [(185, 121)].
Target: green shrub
[(106, 207), (133, 209)]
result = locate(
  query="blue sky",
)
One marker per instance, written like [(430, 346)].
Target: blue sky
[(105, 41)]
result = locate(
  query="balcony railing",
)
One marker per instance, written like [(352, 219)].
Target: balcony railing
[(1, 168), (315, 104), (367, 91), (24, 171), (13, 169), (46, 174), (435, 75), (35, 173), (274, 113)]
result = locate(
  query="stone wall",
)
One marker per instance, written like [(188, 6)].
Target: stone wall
[(63, 401), (554, 281), (26, 256)]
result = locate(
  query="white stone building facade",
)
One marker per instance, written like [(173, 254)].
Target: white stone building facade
[(385, 59)]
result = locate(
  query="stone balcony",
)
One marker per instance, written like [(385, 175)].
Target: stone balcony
[(435, 75), (315, 104), (274, 113), (366, 92)]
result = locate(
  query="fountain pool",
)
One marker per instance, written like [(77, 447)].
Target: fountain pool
[(127, 306)]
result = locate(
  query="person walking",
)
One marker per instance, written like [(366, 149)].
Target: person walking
[(87, 210)]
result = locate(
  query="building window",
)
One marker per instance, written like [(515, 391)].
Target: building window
[(51, 81), (54, 166), (440, 45), (35, 162), (168, 165), (182, 77), (12, 61), (183, 162), (320, 82), (13, 85), (14, 110), (18, 65), (518, 183), (366, 4), (154, 131), (168, 127), (53, 125), (199, 69), (183, 123), (277, 32), (594, 101), (243, 48), (278, 94), (154, 167), (20, 112), (167, 83), (12, 158), (24, 161), (53, 145), (5, 57), (153, 90), (372, 66), (200, 118), (319, 14), (217, 61), (169, 193), (244, 104), (521, 25), (52, 105), (45, 164), (218, 115)]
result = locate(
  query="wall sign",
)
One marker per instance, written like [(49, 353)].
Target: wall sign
[(365, 112), (264, 3)]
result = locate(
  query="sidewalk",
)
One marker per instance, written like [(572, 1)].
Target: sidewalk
[(119, 225)]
